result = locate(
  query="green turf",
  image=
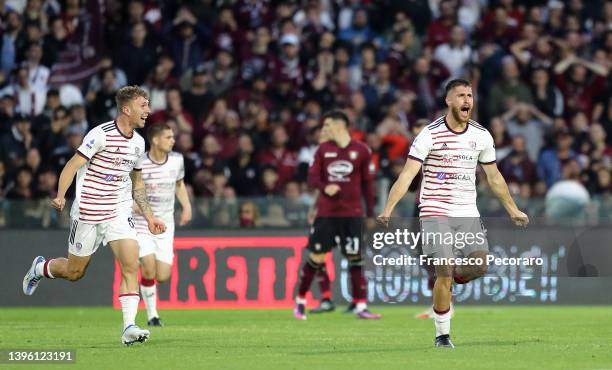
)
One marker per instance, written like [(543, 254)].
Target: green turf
[(546, 337)]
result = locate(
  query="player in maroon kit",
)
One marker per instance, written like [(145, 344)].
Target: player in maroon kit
[(342, 171)]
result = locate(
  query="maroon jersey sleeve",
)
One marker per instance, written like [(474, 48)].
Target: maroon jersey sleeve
[(367, 182), (315, 173)]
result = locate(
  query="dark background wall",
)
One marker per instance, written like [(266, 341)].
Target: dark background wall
[(19, 247)]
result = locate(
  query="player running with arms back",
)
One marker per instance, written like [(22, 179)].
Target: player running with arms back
[(162, 171), (342, 171), (107, 165), (448, 151)]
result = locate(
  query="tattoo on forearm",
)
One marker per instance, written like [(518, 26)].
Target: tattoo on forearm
[(140, 197)]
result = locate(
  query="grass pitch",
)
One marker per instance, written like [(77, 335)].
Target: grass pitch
[(503, 337)]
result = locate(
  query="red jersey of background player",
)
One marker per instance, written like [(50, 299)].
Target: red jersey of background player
[(350, 168)]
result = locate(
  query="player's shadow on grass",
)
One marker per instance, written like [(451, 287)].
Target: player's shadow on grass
[(347, 351), (499, 343)]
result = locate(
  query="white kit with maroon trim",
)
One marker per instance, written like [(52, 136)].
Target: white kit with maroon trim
[(160, 181), (103, 185), (449, 161)]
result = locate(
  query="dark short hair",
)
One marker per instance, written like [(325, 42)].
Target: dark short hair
[(336, 115), (456, 82), (156, 130)]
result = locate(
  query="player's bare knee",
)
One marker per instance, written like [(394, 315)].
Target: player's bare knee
[(162, 278), (318, 258), (75, 274), (130, 268), (148, 273), (481, 270)]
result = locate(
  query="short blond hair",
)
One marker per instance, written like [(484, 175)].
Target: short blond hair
[(127, 94)]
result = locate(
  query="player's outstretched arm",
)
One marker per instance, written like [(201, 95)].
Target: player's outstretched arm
[(156, 226), (183, 198), (400, 187), (500, 189), (65, 180)]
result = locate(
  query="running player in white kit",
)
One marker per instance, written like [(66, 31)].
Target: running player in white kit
[(448, 151), (162, 171), (108, 167)]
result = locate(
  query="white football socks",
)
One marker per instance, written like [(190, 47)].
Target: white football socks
[(442, 322), (149, 295), (129, 308)]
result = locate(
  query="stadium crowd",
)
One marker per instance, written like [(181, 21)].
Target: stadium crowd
[(243, 83)]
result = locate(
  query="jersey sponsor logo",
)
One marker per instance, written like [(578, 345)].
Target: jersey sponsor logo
[(451, 158), (330, 155), (339, 170), (452, 176), (353, 154), (113, 178), (90, 143), (125, 162)]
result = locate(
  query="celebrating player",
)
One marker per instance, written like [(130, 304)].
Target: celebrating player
[(449, 150), (108, 165), (163, 172), (342, 171)]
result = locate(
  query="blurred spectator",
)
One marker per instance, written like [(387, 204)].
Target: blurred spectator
[(269, 182), (579, 87), (286, 67), (546, 97), (54, 42), (517, 167), (439, 30), (359, 31), (7, 113), (249, 215), (501, 138), (551, 160), (455, 53), (174, 111), (527, 121), (106, 62), (425, 80), (191, 159), (10, 41), (103, 107), (62, 154), (244, 172), (53, 135), (198, 99), (30, 99), (222, 72), (509, 90), (15, 145), (279, 157), (37, 73), (255, 59), (185, 41), (33, 161), (137, 56)]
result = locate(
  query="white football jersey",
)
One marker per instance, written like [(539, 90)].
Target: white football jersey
[(103, 185), (449, 162), (160, 182)]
